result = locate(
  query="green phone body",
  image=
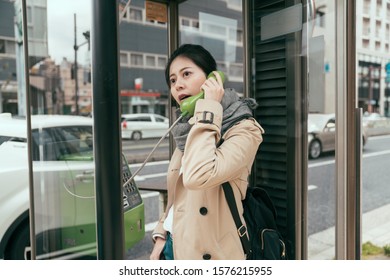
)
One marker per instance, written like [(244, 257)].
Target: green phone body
[(187, 107)]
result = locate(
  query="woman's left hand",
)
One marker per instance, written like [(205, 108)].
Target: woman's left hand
[(157, 249), (213, 88)]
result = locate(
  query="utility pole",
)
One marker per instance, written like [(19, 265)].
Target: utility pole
[(75, 68), (75, 74)]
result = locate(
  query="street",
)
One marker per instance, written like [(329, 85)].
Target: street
[(375, 178), (137, 151)]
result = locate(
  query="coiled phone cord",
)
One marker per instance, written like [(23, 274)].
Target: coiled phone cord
[(155, 147)]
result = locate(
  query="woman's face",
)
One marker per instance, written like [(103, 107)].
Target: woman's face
[(185, 78)]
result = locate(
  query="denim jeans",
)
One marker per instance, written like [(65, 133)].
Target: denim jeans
[(168, 248)]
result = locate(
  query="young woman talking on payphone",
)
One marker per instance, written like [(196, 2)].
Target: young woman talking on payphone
[(217, 144)]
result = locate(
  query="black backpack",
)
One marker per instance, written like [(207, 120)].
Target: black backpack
[(265, 241)]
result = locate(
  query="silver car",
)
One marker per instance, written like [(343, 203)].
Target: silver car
[(322, 134)]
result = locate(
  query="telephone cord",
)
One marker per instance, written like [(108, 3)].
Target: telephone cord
[(150, 154)]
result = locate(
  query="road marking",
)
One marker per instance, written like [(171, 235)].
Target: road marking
[(137, 147), (321, 163), (311, 187), (381, 153), (380, 137), (149, 194), (374, 154), (150, 163)]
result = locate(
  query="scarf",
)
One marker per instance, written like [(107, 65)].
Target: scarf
[(234, 110)]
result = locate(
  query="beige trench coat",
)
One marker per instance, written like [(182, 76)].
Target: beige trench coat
[(203, 227)]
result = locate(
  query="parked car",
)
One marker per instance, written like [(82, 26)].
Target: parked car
[(140, 126), (64, 196), (322, 134)]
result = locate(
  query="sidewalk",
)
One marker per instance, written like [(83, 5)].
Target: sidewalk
[(375, 228)]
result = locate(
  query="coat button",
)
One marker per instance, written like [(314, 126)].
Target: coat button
[(203, 211), (206, 256)]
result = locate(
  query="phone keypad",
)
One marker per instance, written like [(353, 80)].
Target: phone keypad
[(131, 195)]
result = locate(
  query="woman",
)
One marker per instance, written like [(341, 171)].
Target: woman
[(197, 223)]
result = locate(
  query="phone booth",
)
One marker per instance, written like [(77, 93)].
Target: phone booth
[(79, 207)]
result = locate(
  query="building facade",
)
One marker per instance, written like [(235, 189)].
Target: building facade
[(373, 46)]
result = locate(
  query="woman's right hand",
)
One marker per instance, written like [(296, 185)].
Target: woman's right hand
[(213, 87), (157, 249)]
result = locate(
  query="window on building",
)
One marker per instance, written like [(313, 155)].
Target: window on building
[(2, 46), (388, 11), (29, 15), (377, 46), (378, 28), (365, 70), (195, 23), (366, 26), (214, 29), (236, 71), (136, 59), (236, 35), (161, 62), (40, 23), (7, 46), (124, 59), (143, 60), (376, 72), (222, 67), (387, 32), (366, 43), (378, 8), (240, 36), (135, 14), (185, 22), (366, 6), (150, 61)]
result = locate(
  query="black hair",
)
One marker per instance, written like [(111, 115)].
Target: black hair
[(199, 55)]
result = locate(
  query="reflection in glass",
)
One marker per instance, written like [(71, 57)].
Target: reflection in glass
[(373, 95), (221, 35), (62, 151), (321, 50)]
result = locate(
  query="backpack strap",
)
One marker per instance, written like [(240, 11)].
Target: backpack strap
[(241, 229)]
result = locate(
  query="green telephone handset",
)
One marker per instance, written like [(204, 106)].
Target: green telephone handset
[(187, 107)]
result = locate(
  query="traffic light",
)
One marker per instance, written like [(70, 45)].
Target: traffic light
[(87, 36)]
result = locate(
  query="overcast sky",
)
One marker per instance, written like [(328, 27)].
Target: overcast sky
[(60, 17)]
